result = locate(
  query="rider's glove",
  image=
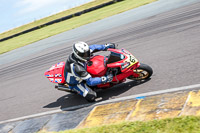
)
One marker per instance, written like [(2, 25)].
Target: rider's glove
[(106, 79), (110, 45)]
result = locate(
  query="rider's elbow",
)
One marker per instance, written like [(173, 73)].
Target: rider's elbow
[(93, 81), (89, 82)]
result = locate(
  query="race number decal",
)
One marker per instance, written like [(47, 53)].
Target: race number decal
[(132, 60)]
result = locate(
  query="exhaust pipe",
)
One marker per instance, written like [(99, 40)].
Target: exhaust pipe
[(64, 87)]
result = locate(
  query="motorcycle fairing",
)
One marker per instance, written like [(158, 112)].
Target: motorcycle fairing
[(118, 59), (129, 63), (55, 74), (128, 60)]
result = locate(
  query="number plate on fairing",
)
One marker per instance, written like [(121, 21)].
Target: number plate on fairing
[(131, 60)]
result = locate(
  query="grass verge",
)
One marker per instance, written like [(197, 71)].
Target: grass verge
[(52, 17), (184, 124), (75, 22)]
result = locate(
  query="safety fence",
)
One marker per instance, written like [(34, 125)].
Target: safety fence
[(61, 19)]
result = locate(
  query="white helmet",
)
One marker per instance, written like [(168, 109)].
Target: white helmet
[(81, 51)]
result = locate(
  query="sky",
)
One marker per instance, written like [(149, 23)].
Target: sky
[(14, 13)]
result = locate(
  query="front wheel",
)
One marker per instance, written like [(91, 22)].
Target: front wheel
[(144, 71)]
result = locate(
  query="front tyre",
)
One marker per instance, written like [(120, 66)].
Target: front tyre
[(144, 71)]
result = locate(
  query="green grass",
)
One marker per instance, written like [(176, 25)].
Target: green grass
[(186, 124), (75, 22), (52, 17)]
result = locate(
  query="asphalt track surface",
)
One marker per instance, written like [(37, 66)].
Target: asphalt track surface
[(169, 42)]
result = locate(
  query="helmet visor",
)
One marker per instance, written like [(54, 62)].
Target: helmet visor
[(85, 55)]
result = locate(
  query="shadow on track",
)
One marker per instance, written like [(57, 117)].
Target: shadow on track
[(71, 100)]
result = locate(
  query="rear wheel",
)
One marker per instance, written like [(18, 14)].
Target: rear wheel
[(144, 71)]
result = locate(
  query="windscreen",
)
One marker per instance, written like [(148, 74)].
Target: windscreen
[(115, 57)]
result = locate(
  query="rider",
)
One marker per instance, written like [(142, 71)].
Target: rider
[(75, 72)]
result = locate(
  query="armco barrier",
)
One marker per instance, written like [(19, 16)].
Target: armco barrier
[(62, 19)]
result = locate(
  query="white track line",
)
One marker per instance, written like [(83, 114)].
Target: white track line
[(105, 102)]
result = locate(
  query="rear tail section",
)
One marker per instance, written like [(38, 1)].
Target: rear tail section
[(56, 73)]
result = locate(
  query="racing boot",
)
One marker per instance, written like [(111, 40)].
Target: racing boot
[(91, 95)]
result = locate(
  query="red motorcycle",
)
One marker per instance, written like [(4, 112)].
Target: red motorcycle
[(121, 63)]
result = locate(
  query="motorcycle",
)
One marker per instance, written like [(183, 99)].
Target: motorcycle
[(121, 63)]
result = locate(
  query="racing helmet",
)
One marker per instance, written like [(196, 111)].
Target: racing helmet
[(81, 51)]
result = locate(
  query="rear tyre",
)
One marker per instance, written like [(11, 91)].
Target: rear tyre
[(144, 71)]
